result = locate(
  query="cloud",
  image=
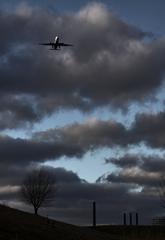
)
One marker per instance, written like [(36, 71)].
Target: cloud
[(70, 141), (110, 63), (95, 14), (76, 139), (74, 199), (24, 10), (17, 111), (150, 163), (22, 152), (141, 171), (94, 134), (150, 129), (135, 177), (89, 135), (127, 161)]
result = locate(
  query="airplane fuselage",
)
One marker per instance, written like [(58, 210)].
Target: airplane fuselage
[(56, 45)]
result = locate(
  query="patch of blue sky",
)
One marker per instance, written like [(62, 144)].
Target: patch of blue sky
[(17, 133), (142, 149), (63, 118), (90, 167), (143, 14), (136, 189), (59, 5)]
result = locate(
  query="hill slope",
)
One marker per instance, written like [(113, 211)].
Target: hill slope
[(128, 232), (15, 224)]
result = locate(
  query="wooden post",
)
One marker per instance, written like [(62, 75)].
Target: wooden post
[(137, 219), (124, 219), (130, 218), (94, 214)]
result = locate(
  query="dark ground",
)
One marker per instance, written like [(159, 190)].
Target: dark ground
[(18, 225), (142, 232)]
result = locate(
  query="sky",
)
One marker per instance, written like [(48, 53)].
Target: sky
[(93, 113)]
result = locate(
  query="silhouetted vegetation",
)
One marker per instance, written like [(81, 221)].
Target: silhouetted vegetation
[(15, 224), (38, 188)]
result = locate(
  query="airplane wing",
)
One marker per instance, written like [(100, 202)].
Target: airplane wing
[(64, 44), (46, 44)]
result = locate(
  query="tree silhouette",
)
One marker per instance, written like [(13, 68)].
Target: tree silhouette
[(38, 188)]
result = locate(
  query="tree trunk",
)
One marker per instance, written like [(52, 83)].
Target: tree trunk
[(36, 211)]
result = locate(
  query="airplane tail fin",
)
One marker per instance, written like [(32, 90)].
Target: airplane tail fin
[(56, 40)]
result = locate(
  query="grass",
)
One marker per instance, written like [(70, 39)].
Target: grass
[(142, 232), (18, 225)]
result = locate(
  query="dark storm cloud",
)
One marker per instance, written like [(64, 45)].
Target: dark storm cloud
[(110, 64), (144, 171), (17, 111), (124, 162), (71, 141), (77, 139), (111, 203), (89, 135), (13, 175), (92, 134), (22, 152), (149, 128), (151, 163), (64, 176), (154, 164), (74, 199), (133, 176)]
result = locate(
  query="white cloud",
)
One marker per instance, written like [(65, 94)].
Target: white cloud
[(24, 10), (95, 14)]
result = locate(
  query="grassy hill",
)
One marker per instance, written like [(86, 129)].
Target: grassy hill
[(142, 232), (18, 225)]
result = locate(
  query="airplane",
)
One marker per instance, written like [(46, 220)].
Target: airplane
[(56, 45)]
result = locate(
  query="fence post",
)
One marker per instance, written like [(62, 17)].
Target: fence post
[(137, 219), (124, 219), (130, 218), (94, 214)]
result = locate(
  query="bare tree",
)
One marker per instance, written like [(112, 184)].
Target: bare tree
[(38, 188)]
